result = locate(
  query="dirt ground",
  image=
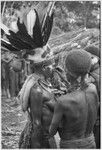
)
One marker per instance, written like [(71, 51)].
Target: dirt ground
[(13, 121)]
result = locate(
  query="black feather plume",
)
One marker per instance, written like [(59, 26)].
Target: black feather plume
[(46, 31), (8, 46), (37, 35), (23, 34), (17, 42)]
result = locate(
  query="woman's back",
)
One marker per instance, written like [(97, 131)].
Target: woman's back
[(80, 113)]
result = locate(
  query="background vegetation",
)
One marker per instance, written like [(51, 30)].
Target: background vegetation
[(69, 15)]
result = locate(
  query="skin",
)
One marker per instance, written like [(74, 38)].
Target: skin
[(95, 74), (41, 114), (42, 105), (70, 114)]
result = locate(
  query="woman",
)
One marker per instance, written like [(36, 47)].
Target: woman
[(75, 113)]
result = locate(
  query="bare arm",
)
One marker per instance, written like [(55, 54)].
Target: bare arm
[(36, 104), (36, 100), (58, 113)]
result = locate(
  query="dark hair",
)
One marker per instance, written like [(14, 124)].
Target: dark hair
[(78, 62)]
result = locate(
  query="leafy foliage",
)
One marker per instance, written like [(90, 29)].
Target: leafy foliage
[(77, 13), (68, 14)]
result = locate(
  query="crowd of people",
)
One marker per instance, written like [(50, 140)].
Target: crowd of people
[(58, 100), (11, 80)]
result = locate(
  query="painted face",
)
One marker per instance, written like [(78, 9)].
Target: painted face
[(48, 70)]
